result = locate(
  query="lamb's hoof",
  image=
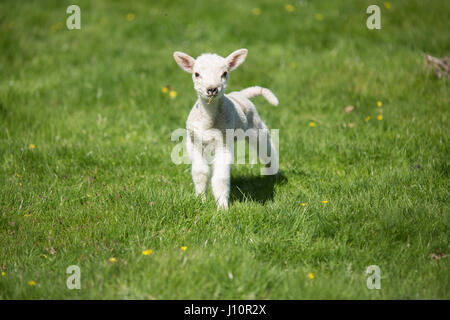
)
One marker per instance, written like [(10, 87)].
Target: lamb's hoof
[(222, 205)]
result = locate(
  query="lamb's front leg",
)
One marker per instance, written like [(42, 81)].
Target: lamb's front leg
[(199, 170), (220, 181)]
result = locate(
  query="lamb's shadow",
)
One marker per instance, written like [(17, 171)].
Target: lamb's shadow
[(255, 188)]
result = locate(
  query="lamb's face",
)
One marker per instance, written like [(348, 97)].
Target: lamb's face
[(210, 71), (210, 76)]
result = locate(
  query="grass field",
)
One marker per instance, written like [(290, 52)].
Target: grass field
[(85, 152)]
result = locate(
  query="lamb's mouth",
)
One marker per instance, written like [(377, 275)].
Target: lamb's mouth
[(210, 98)]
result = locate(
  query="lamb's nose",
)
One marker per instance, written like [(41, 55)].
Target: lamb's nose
[(212, 91)]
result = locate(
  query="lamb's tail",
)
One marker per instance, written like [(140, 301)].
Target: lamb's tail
[(258, 91)]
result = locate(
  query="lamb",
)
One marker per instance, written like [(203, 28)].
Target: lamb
[(214, 115)]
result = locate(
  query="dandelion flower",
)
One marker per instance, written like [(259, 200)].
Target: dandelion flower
[(312, 124), (32, 146), (31, 283), (303, 204), (256, 11), (112, 260), (379, 104), (130, 17), (147, 252), (311, 275), (56, 27), (325, 201), (183, 248), (380, 117), (387, 5), (173, 94), (3, 273), (319, 16), (293, 65), (289, 8), (165, 90), (27, 215), (367, 118)]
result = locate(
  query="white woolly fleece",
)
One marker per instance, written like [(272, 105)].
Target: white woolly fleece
[(214, 114)]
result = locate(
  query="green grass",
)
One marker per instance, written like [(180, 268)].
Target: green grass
[(99, 182)]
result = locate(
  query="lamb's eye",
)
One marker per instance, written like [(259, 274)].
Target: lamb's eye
[(197, 74), (224, 74)]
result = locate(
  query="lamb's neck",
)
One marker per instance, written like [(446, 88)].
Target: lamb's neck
[(209, 110)]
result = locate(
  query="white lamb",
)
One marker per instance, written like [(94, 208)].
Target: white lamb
[(214, 113)]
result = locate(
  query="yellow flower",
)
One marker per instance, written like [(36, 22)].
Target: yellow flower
[(311, 275), (45, 257), (130, 17), (312, 124), (32, 283), (112, 260), (256, 11), (165, 90), (147, 252), (173, 94), (367, 118), (56, 27), (379, 104), (32, 146), (319, 16), (325, 201), (387, 5), (303, 204), (3, 273), (293, 65), (289, 8), (380, 117), (27, 215), (184, 248)]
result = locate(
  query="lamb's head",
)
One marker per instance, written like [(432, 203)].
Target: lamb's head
[(210, 71)]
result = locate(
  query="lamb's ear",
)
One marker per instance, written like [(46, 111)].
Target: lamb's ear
[(186, 62), (236, 58)]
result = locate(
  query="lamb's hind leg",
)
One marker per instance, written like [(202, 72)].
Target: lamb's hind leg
[(266, 151)]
